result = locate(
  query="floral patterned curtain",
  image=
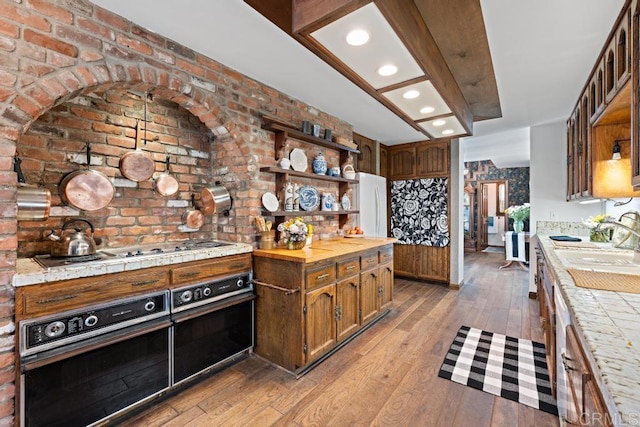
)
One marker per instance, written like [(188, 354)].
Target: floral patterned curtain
[(420, 212)]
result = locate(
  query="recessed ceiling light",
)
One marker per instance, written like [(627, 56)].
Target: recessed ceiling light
[(440, 122), (387, 70), (427, 110), (447, 131), (357, 37), (410, 94)]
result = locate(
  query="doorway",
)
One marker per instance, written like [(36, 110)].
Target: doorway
[(492, 223)]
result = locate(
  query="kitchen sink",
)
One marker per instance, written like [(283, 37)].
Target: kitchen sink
[(619, 261)]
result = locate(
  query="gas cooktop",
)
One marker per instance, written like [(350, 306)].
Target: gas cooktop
[(48, 261)]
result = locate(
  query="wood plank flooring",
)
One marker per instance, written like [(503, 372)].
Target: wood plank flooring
[(385, 377)]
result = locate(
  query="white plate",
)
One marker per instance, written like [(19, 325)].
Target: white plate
[(346, 202), (298, 160), (309, 198), (354, 236), (270, 202)]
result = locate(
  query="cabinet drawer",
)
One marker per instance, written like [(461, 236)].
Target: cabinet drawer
[(208, 269), (348, 268), (386, 255), (369, 260), (321, 275), (50, 298)]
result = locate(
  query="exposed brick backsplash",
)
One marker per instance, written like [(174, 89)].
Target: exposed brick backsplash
[(69, 72)]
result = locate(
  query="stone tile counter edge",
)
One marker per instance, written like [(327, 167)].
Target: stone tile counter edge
[(29, 272)]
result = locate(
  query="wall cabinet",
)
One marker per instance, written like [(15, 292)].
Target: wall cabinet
[(284, 131), (367, 158), (419, 160), (317, 306), (384, 156), (603, 115)]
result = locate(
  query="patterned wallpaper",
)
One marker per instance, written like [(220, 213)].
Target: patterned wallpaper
[(518, 179)]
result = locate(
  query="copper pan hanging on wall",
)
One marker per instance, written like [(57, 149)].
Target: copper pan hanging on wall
[(138, 165), (86, 189), (34, 203), (165, 184)]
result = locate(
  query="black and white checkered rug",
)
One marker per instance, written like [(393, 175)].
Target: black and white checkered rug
[(504, 366)]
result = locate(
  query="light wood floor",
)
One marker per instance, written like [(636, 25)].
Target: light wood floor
[(386, 376)]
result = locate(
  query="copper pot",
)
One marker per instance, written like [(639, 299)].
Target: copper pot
[(193, 218), (137, 165), (215, 199), (87, 190), (165, 184)]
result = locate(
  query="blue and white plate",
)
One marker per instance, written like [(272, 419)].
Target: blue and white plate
[(309, 198), (345, 202)]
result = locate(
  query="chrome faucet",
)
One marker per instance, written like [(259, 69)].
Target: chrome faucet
[(626, 227)]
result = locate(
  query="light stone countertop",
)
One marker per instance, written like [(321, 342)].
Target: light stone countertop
[(608, 326), (29, 272)]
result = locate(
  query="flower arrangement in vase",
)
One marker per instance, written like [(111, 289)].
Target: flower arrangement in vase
[(518, 213), (294, 233), (599, 228)]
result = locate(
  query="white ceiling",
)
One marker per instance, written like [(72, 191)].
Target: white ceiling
[(542, 54)]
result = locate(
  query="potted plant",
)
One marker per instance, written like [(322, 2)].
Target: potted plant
[(518, 214)]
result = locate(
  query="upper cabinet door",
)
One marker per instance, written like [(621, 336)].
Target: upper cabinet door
[(432, 159), (383, 161), (367, 157), (402, 162)]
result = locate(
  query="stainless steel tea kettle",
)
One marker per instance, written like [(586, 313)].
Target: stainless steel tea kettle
[(74, 242)]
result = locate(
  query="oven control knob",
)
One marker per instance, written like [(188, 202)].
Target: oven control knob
[(91, 320), (240, 283), (206, 291), (150, 306), (54, 329), (186, 296)]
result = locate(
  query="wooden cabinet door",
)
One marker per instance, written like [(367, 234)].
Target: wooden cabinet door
[(402, 162), (320, 321), (383, 160), (635, 99), (347, 303), (404, 260), (385, 285), (433, 263), (367, 157), (369, 303), (432, 159)]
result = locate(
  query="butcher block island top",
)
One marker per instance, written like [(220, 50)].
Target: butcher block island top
[(312, 301), (324, 249)]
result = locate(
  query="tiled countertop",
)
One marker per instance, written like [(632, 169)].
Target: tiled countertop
[(608, 325), (29, 272)]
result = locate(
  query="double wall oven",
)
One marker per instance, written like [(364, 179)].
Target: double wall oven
[(90, 365)]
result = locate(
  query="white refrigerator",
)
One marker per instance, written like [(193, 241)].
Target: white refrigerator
[(370, 195)]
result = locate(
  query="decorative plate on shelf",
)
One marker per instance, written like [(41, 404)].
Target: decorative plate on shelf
[(298, 160), (309, 198), (270, 202), (346, 202)]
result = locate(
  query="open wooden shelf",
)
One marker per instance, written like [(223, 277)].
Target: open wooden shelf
[(291, 172)]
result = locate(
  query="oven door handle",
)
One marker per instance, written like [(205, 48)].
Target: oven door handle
[(37, 360), (206, 309)]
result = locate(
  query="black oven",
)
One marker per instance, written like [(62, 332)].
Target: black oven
[(82, 366), (212, 323)]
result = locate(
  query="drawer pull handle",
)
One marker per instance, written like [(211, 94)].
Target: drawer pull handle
[(351, 267), (145, 283), (56, 299), (322, 276), (191, 274)]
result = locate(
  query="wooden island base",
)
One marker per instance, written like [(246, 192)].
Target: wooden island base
[(312, 301)]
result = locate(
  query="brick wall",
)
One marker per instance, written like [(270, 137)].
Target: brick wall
[(67, 73)]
